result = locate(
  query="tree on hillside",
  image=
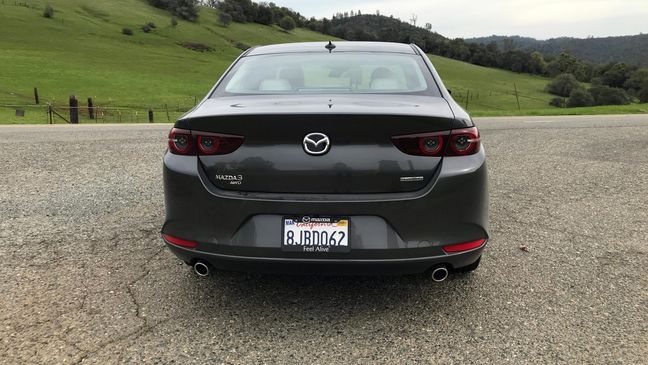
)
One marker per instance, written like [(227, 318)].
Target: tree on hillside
[(264, 14), (636, 79), (537, 64), (643, 92), (615, 74), (562, 85), (566, 63), (185, 9), (48, 12), (225, 19), (287, 23)]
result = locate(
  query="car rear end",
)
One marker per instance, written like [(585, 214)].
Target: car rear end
[(328, 181)]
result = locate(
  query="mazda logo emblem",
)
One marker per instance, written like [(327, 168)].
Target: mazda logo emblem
[(316, 144)]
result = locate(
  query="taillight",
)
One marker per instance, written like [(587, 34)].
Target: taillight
[(427, 144), (186, 142), (457, 142), (464, 142), (466, 246), (181, 142)]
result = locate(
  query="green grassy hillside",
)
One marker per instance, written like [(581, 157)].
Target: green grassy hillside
[(491, 92), (82, 51)]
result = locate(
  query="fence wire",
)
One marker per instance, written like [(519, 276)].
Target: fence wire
[(57, 114)]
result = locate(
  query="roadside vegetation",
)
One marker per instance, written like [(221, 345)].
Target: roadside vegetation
[(129, 56)]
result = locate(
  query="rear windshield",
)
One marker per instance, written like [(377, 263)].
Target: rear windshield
[(342, 72)]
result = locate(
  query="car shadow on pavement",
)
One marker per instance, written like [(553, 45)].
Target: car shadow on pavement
[(327, 299)]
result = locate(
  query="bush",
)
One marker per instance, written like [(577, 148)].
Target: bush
[(579, 97), (643, 93), (151, 25), (185, 9), (287, 23), (48, 12), (146, 28), (242, 46), (557, 102), (198, 47), (605, 95), (636, 79), (225, 19), (562, 85), (174, 21), (127, 31)]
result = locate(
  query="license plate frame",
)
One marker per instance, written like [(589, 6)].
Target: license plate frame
[(324, 226)]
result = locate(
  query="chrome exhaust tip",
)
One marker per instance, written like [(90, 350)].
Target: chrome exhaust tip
[(201, 269), (440, 274)]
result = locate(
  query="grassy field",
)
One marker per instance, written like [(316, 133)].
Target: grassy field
[(484, 89), (491, 92), (82, 52)]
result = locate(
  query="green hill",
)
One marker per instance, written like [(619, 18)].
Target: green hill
[(82, 51)]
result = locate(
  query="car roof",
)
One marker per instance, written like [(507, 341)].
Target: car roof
[(340, 46)]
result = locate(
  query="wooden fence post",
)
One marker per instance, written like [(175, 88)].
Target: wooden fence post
[(516, 96), (150, 115), (467, 98), (74, 110), (91, 113), (36, 96), (49, 112)]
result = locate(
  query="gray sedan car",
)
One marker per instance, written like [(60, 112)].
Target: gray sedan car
[(345, 158)]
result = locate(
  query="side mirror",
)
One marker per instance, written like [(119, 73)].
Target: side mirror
[(449, 91)]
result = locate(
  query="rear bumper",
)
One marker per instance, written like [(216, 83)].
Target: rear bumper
[(327, 266), (389, 233)]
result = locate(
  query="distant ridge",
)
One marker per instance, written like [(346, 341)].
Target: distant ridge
[(632, 49)]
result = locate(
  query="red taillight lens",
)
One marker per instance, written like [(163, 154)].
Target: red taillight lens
[(464, 142), (208, 145), (181, 142), (466, 246), (186, 142), (457, 142), (427, 144), (180, 241), (224, 143)]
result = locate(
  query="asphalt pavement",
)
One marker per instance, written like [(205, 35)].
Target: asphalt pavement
[(85, 276)]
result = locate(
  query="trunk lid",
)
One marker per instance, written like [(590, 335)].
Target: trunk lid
[(361, 158)]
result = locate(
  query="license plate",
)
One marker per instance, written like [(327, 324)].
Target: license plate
[(315, 234)]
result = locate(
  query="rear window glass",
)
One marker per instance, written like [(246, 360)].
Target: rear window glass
[(342, 72)]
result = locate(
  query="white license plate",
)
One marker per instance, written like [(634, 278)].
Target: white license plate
[(315, 234)]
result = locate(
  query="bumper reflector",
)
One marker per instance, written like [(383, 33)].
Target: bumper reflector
[(179, 241), (466, 246)]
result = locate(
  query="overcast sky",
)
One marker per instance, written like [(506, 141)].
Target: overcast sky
[(540, 19)]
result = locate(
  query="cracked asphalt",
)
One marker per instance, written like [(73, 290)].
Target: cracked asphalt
[(85, 277)]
